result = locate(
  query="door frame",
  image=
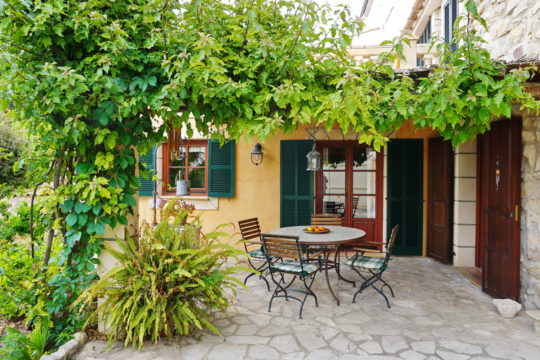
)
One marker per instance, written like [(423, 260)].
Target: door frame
[(482, 201), (379, 183)]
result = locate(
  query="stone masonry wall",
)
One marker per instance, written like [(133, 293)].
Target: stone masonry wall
[(514, 28), (530, 212)]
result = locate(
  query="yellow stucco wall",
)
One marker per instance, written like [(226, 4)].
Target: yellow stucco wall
[(257, 188)]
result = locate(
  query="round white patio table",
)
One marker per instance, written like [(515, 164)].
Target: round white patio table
[(338, 235)]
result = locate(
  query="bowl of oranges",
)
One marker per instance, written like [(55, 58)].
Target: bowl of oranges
[(314, 229)]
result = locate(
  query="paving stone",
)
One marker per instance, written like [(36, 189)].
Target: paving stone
[(272, 330), (412, 355), (352, 328), (357, 338), (435, 307), (427, 347), (229, 330), (329, 332), (460, 347), (371, 347), (342, 344), (500, 350), (194, 351), (350, 357), (285, 343), (294, 356), (227, 351), (248, 339), (321, 355), (310, 342), (246, 330), (446, 355), (262, 352), (392, 344)]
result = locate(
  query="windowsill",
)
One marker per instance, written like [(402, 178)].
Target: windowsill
[(186, 197)]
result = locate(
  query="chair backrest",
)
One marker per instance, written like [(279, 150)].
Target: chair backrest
[(355, 200), (390, 243), (282, 246), (250, 229), (326, 219)]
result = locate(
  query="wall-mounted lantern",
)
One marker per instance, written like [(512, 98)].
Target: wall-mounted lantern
[(313, 160), (257, 154)]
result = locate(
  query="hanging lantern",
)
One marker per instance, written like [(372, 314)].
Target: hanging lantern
[(313, 160), (257, 155)]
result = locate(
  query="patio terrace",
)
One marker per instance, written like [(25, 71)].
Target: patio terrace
[(437, 314)]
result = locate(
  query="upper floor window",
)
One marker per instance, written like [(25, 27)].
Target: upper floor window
[(187, 160), (450, 16), (425, 38)]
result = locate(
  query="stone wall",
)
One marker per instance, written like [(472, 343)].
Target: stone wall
[(464, 228), (514, 28), (530, 212)]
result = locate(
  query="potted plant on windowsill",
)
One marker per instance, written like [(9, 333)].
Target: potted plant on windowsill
[(176, 208)]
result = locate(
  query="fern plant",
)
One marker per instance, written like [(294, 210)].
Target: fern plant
[(18, 346), (169, 281)]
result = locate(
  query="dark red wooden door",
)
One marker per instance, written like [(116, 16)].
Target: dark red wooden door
[(440, 200), (499, 235), (350, 183)]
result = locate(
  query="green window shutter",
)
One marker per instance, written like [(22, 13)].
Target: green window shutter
[(147, 184), (296, 196), (221, 169)]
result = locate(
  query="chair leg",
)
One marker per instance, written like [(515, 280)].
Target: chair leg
[(371, 282), (388, 286), (308, 292), (279, 289), (260, 269)]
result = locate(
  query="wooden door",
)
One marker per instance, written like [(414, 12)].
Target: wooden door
[(440, 200), (405, 168), (350, 184), (499, 184)]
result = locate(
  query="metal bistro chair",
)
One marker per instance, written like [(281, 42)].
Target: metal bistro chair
[(374, 267), (294, 262), (332, 220), (251, 237), (324, 219)]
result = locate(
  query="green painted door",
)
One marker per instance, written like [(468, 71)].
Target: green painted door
[(296, 205), (405, 165)]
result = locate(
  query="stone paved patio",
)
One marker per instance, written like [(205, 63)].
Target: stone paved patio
[(437, 314)]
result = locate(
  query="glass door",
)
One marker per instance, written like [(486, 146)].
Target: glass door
[(350, 184)]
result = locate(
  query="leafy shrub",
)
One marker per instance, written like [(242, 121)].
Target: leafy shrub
[(20, 275), (19, 223), (18, 346), (17, 272), (169, 282), (12, 146)]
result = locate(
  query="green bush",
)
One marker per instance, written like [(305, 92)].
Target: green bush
[(12, 146), (17, 273), (20, 275), (18, 346), (19, 223), (169, 282)]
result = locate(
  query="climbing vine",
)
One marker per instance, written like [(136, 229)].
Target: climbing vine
[(96, 81)]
